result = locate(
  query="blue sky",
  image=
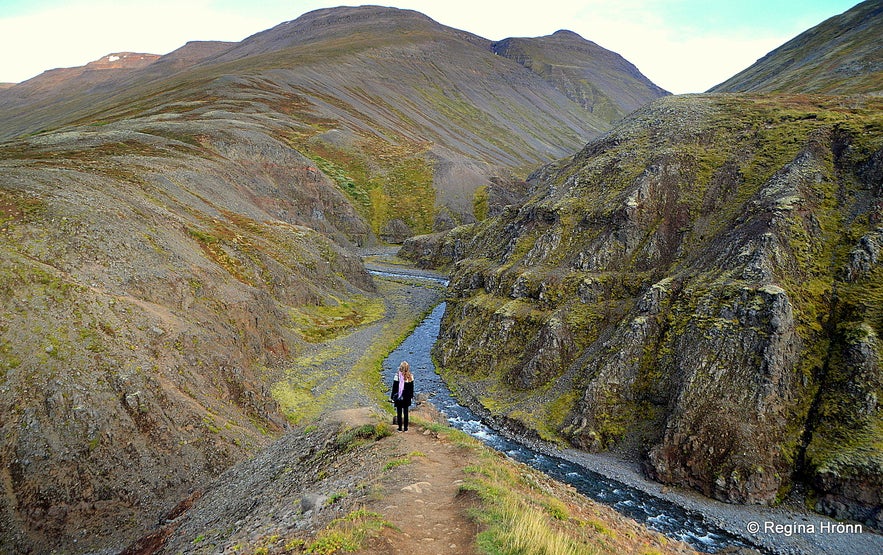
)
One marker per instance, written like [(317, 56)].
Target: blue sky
[(681, 45)]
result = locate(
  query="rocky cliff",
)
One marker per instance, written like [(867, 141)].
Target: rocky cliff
[(700, 288)]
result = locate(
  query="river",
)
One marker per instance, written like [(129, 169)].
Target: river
[(655, 513), (679, 514)]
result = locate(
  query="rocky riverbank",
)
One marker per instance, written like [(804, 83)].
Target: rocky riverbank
[(785, 530), (788, 529)]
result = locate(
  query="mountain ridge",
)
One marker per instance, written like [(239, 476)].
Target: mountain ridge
[(841, 55), (587, 73), (499, 133)]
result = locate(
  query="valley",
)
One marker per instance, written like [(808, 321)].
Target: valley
[(206, 256)]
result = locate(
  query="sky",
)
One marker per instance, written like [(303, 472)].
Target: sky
[(683, 46)]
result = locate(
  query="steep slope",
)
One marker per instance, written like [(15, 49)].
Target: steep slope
[(371, 491), (154, 275), (701, 288), (599, 80), (184, 229), (842, 55)]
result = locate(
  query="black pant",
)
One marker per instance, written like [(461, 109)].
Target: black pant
[(402, 416)]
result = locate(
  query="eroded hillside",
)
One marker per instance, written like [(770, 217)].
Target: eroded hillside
[(151, 272), (701, 287)]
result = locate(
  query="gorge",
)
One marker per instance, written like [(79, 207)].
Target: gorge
[(691, 283)]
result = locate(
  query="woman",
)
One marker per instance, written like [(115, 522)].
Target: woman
[(402, 393)]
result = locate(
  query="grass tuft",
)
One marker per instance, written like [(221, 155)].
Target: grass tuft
[(348, 533)]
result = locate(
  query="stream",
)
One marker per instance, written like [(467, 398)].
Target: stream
[(655, 513)]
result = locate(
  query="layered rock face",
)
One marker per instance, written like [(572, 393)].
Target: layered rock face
[(700, 288)]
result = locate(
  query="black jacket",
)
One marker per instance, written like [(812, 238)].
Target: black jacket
[(407, 394)]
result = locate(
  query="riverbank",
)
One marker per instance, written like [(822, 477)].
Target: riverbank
[(786, 530), (342, 373)]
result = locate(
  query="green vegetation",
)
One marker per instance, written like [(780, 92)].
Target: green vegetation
[(384, 180), (335, 497), (480, 204), (295, 392), (348, 533), (519, 512), (395, 463), (353, 438), (322, 323)]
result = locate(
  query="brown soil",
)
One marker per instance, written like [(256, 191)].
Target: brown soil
[(422, 498)]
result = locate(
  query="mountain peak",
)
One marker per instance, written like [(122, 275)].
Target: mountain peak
[(567, 33), (599, 80), (327, 23), (348, 14), (122, 60)]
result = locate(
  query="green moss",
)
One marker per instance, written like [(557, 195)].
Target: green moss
[(348, 533), (354, 437), (395, 463), (385, 180), (480, 203), (324, 322)]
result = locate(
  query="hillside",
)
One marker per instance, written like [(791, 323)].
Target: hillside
[(177, 237), (373, 96), (701, 289), (842, 55), (430, 490), (601, 81), (149, 295)]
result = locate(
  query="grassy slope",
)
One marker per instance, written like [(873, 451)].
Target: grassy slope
[(841, 55)]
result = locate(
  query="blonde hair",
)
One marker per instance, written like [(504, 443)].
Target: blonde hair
[(405, 369)]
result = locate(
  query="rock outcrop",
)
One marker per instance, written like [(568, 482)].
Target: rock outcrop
[(700, 287)]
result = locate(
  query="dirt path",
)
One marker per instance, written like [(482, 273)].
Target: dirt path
[(293, 493), (421, 498)]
